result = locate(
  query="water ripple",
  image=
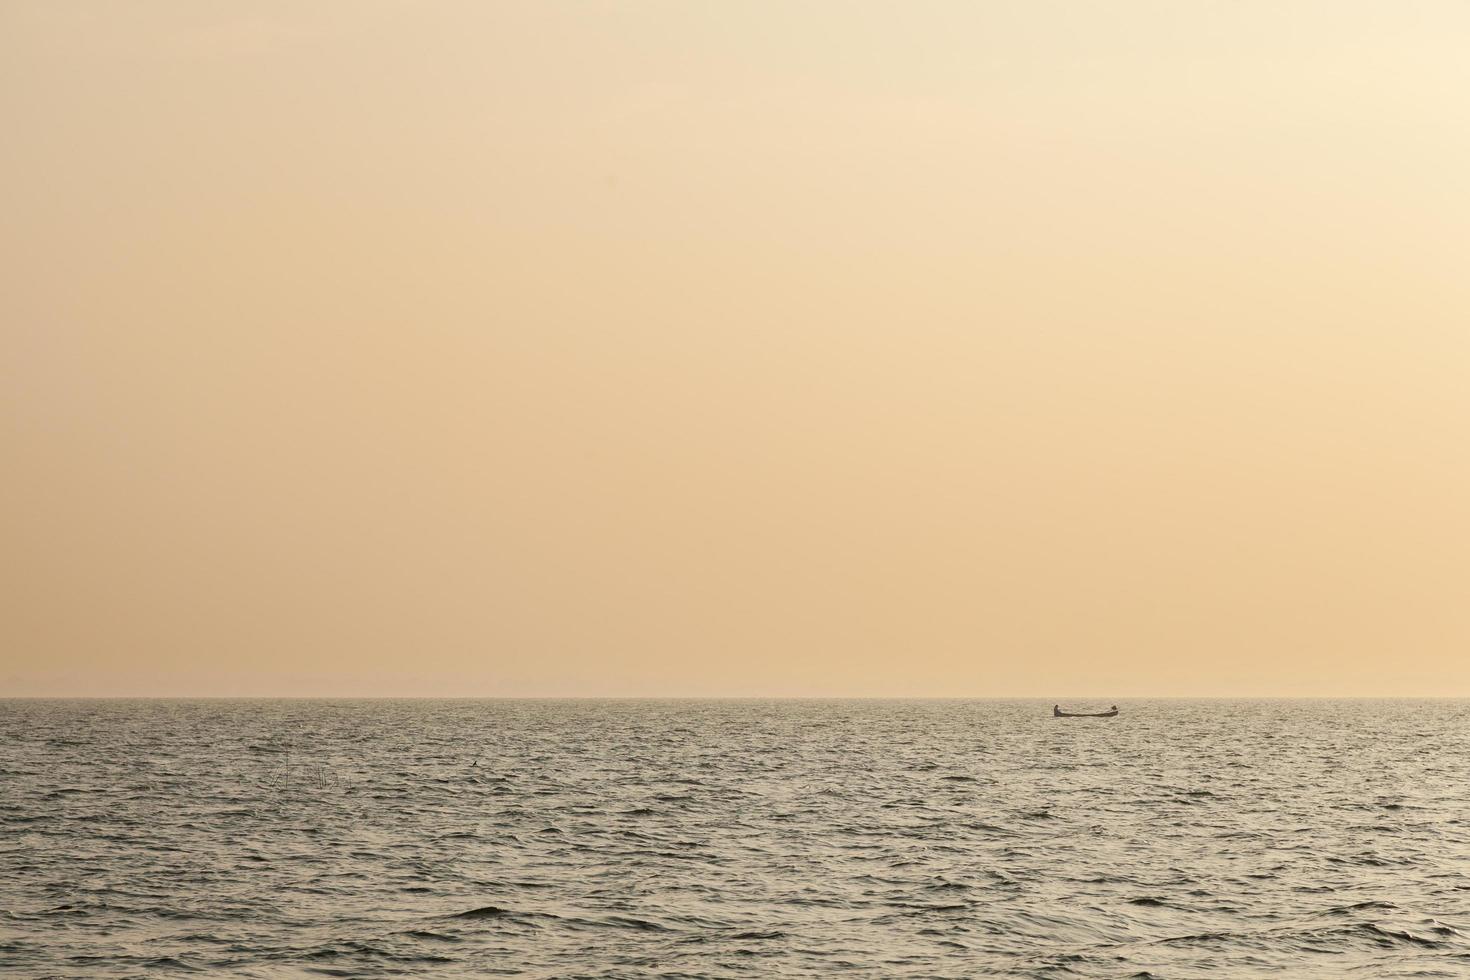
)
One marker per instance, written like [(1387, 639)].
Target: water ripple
[(733, 838)]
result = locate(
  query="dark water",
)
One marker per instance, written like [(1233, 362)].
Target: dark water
[(734, 838)]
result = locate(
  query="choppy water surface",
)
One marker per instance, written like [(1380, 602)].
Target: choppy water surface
[(734, 838)]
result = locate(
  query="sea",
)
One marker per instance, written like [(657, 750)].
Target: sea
[(734, 838)]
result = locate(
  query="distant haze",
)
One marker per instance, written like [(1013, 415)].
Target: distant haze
[(742, 348)]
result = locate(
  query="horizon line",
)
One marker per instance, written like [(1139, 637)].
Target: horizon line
[(732, 697)]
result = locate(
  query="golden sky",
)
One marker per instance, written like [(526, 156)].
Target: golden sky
[(741, 348)]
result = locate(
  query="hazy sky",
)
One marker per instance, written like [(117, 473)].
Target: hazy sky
[(742, 348)]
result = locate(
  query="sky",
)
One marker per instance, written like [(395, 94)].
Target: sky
[(735, 349)]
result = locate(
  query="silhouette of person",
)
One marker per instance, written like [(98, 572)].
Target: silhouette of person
[(1056, 711)]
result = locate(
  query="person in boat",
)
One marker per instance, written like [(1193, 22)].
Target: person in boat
[(1113, 708), (1056, 711)]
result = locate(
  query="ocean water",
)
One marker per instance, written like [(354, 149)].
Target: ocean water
[(734, 839)]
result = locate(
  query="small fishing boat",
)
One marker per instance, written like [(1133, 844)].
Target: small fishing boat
[(1057, 712)]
